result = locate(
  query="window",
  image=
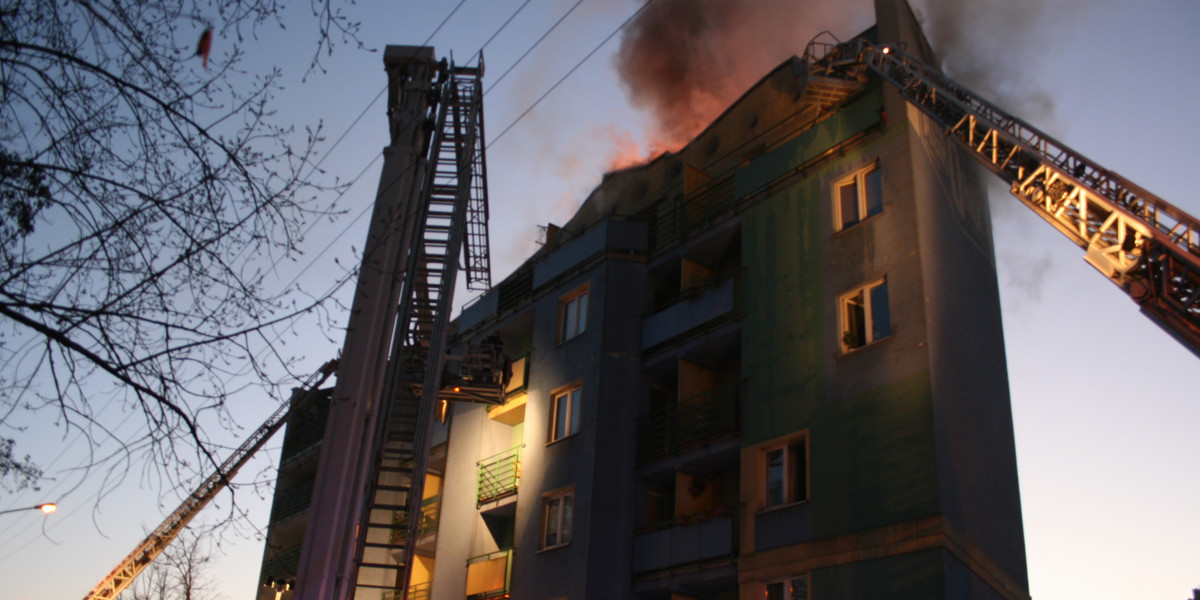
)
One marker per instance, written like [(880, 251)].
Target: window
[(558, 511), (864, 317), (785, 473), (857, 197), (565, 413), (572, 314), (791, 588)]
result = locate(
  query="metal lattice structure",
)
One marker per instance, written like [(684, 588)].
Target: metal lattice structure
[(1140, 242), (452, 219)]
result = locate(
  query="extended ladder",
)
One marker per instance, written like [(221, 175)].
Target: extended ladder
[(453, 217), (162, 536), (1142, 243)]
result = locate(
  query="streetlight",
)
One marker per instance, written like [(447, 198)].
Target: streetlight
[(46, 508)]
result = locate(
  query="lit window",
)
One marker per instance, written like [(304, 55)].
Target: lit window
[(558, 512), (785, 469), (864, 316), (857, 197), (792, 588), (572, 314), (565, 413)]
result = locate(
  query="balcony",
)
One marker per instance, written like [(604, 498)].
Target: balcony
[(499, 475), (705, 538), (431, 509), (282, 564), (690, 423), (292, 501), (416, 591), (489, 576), (704, 306)]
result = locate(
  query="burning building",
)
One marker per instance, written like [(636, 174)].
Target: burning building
[(767, 365)]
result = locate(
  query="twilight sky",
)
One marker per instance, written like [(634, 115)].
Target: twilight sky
[(1105, 404)]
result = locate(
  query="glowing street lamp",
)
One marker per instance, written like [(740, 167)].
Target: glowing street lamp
[(46, 508)]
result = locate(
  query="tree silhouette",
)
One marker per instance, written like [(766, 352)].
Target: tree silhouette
[(143, 199)]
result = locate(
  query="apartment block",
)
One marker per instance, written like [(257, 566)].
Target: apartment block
[(769, 365)]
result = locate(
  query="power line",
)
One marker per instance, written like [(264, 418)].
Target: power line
[(568, 73)]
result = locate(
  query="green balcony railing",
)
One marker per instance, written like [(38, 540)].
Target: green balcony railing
[(431, 509), (499, 475), (690, 423)]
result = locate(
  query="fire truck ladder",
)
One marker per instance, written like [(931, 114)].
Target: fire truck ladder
[(158, 540), (1142, 243), (453, 216)]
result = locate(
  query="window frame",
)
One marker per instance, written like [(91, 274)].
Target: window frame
[(573, 393), (869, 315), (862, 201), (564, 520), (579, 300), (766, 594), (792, 494)]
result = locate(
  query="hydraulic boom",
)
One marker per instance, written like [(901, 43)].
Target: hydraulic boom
[(1142, 243), (164, 534)]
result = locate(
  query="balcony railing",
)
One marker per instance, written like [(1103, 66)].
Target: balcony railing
[(416, 591), (690, 423), (282, 565), (431, 509), (489, 576), (295, 500), (703, 537), (499, 475)]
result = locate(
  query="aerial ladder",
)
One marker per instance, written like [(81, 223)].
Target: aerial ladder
[(438, 213), (431, 214), (162, 536), (1143, 244)]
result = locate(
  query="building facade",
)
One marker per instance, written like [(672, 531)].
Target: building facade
[(769, 365)]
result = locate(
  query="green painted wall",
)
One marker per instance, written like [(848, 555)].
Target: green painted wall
[(872, 458), (872, 455), (912, 576), (783, 353)]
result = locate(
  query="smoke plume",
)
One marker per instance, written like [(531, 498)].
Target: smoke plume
[(687, 60)]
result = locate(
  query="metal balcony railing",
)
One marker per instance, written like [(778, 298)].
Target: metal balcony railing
[(431, 509), (282, 565), (705, 537), (489, 576), (292, 501), (303, 433), (690, 423), (416, 591), (499, 475)]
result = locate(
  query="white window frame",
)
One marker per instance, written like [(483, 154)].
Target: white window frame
[(572, 314), (792, 493), (558, 516), (846, 340), (787, 583), (572, 396), (859, 179)]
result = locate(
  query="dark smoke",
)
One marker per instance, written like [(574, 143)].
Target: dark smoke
[(687, 60), (991, 46)]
